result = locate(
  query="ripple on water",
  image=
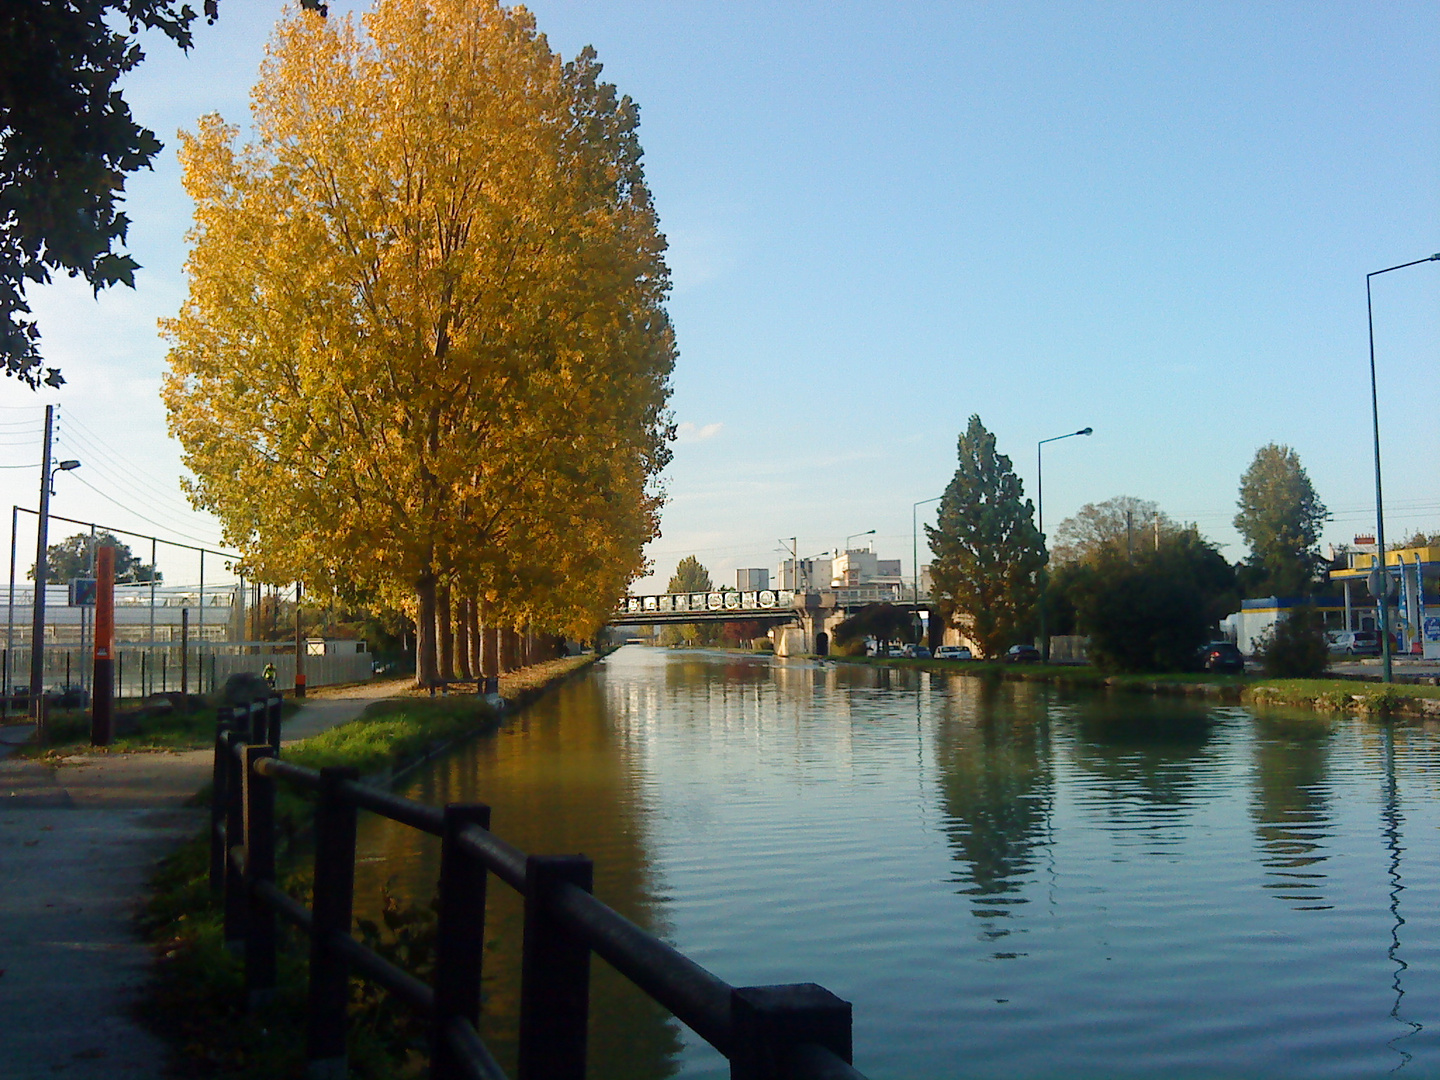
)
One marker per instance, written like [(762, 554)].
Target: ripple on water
[(1007, 881)]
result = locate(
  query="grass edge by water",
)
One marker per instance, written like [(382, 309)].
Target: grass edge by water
[(195, 999), (1321, 695)]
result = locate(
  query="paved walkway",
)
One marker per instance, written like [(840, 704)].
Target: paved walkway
[(77, 844)]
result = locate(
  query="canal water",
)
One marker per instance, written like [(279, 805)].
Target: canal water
[(1008, 880)]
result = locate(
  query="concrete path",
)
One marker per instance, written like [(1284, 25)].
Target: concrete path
[(77, 845)]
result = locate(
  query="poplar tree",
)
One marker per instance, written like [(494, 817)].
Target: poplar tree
[(1280, 518), (425, 339), (988, 552)]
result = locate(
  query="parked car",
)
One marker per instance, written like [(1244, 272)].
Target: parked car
[(1355, 642), (1022, 654), (1221, 656), (896, 650), (917, 652), (953, 652)]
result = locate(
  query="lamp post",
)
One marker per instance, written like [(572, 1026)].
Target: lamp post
[(867, 532), (915, 544), (1384, 577), (42, 540), (1040, 509)]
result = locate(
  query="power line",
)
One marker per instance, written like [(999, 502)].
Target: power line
[(142, 517), (122, 476), (102, 450)]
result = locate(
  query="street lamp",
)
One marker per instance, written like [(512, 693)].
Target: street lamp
[(1040, 509), (915, 544), (1384, 576), (42, 573), (867, 532), (64, 466)]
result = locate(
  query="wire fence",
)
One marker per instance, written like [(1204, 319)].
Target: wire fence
[(157, 668)]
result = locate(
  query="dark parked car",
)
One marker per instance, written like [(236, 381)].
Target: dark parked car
[(1022, 654), (1221, 656)]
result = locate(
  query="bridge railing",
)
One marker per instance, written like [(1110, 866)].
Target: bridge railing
[(791, 1032), (762, 600)]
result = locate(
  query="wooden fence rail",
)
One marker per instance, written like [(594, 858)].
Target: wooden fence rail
[(792, 1032)]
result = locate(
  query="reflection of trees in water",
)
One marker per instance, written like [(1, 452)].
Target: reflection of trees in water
[(1148, 754), (1290, 805), (559, 781), (996, 784)]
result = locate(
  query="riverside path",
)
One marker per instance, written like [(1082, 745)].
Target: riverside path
[(77, 845)]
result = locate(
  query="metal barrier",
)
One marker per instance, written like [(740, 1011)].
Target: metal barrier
[(792, 1032)]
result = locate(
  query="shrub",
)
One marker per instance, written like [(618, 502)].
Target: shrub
[(1140, 618), (1295, 648)]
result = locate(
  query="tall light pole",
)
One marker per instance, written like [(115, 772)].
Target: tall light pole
[(915, 544), (1040, 509), (867, 532), (42, 540), (1383, 574)]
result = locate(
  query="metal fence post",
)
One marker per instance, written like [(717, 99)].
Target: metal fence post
[(554, 975), (255, 722), (334, 898), (460, 944), (768, 1022), (259, 866), (218, 779), (272, 722), (234, 837)]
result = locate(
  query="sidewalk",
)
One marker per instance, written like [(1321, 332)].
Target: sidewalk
[(77, 845)]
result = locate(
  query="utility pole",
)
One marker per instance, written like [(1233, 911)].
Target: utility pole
[(37, 624), (299, 647), (1129, 536)]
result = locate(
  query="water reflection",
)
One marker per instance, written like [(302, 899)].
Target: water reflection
[(1291, 805), (784, 820), (561, 779), (996, 786), (1393, 824)]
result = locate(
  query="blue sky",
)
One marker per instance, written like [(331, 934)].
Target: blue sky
[(1151, 219)]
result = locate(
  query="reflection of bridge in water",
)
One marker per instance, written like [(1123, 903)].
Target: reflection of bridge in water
[(804, 620)]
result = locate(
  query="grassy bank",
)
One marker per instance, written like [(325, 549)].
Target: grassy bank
[(196, 999), (1322, 695)]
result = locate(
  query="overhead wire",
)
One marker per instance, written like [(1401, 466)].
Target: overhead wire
[(131, 480), (136, 513)]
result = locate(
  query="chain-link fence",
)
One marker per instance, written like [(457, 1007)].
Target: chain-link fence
[(142, 669)]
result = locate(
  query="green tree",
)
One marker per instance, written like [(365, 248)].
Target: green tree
[(1110, 526), (1296, 646), (690, 577), (883, 622), (1280, 518), (988, 552), (1152, 612), (71, 559)]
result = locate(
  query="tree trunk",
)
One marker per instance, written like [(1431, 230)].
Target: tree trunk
[(509, 647), (490, 651), (425, 670), (446, 633), (472, 611), (462, 639)]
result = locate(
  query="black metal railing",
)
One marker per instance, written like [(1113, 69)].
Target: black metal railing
[(792, 1032)]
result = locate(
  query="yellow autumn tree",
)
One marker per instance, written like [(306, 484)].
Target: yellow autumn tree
[(425, 321)]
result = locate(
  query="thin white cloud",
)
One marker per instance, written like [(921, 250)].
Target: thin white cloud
[(688, 432)]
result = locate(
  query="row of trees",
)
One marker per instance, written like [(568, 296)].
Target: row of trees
[(424, 360), (1146, 589)]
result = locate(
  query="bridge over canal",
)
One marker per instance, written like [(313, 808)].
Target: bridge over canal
[(804, 620)]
